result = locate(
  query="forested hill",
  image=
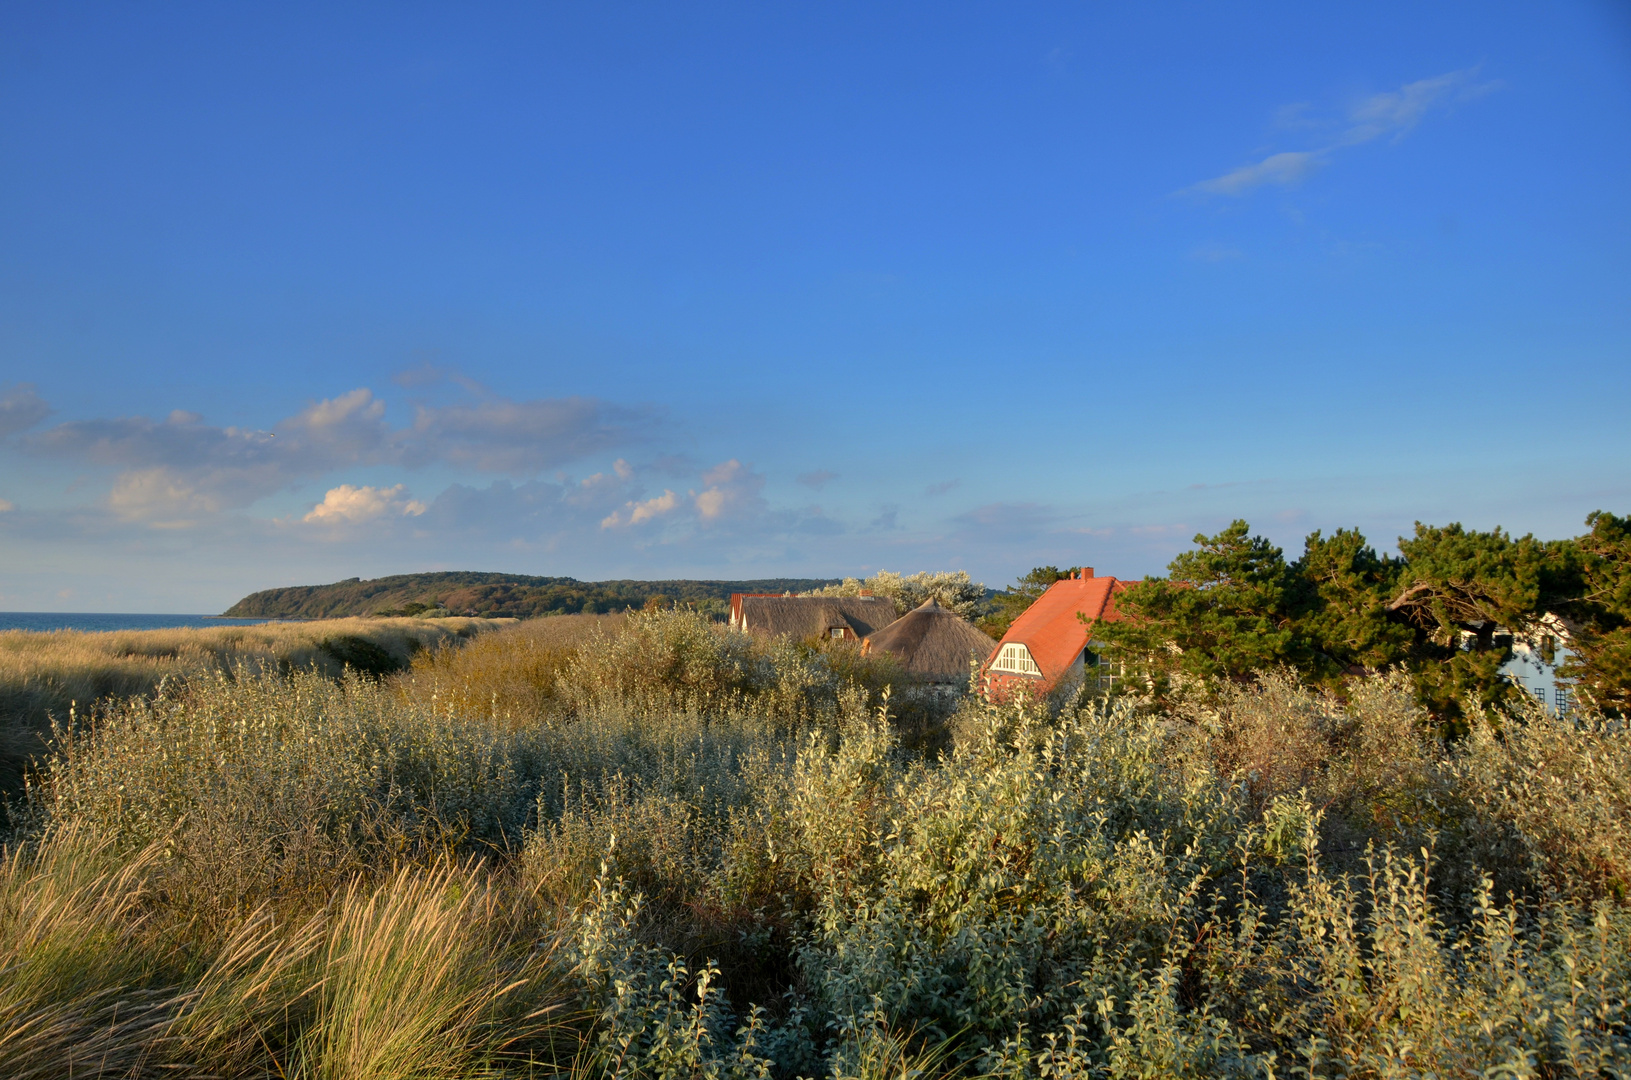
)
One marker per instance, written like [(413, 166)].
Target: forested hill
[(495, 595)]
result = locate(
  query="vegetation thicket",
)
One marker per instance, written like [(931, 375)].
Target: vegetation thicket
[(518, 596), (45, 675), (652, 847), (1448, 610)]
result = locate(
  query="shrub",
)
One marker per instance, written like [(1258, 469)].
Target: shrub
[(752, 868)]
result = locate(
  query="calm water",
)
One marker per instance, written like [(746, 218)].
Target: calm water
[(73, 620)]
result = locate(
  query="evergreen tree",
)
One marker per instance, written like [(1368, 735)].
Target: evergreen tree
[(1599, 618), (1447, 611), (1224, 609), (1341, 587)]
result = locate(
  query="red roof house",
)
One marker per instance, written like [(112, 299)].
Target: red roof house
[(1046, 647)]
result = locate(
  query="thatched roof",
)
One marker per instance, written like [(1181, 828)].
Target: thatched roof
[(933, 644), (816, 616)]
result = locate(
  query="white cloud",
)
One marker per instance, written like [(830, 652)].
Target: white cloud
[(711, 503), (640, 512), (349, 505), (7, 506), (358, 404), (1395, 113), (181, 472)]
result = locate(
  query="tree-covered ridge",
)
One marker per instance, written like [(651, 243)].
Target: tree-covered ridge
[(494, 595), (1447, 610)]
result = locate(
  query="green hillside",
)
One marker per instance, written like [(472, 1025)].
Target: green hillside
[(493, 595)]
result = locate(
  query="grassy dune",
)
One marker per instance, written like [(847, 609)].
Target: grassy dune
[(43, 675), (652, 848)]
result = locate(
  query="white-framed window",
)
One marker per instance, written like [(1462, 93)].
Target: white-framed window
[(1016, 658), (1565, 699), (837, 632), (1108, 673)]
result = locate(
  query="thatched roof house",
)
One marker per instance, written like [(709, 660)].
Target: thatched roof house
[(849, 617), (933, 644)]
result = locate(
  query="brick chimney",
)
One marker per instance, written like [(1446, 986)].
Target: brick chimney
[(1087, 572)]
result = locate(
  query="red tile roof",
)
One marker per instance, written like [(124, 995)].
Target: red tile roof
[(1050, 629)]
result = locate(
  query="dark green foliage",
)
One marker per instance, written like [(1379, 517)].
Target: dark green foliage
[(361, 655), (1459, 587), (1447, 611), (1342, 586), (1601, 615), (516, 596), (1226, 607)]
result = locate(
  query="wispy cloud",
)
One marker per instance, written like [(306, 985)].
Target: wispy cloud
[(818, 479), (732, 490), (21, 408), (181, 467), (521, 437), (1394, 113), (1285, 169), (1214, 253), (942, 487)]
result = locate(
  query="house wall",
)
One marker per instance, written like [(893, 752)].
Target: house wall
[(1538, 678)]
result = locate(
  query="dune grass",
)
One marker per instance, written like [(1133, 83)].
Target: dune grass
[(510, 677), (674, 851), (44, 675), (428, 974)]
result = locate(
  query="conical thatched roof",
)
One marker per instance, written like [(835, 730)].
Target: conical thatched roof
[(932, 643)]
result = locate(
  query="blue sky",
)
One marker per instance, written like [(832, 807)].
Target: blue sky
[(297, 293)]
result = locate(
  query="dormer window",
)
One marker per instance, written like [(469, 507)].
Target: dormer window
[(1016, 658)]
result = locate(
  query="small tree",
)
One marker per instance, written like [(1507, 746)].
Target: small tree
[(953, 590)]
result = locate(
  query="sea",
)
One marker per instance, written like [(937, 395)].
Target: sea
[(103, 620)]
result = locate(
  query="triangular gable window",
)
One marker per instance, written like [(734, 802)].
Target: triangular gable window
[(1015, 657)]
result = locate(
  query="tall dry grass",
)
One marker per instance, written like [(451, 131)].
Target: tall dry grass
[(434, 972), (511, 677), (44, 675)]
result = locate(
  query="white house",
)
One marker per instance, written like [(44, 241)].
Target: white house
[(1535, 659)]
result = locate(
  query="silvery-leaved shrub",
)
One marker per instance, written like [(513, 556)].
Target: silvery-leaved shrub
[(655, 1019)]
